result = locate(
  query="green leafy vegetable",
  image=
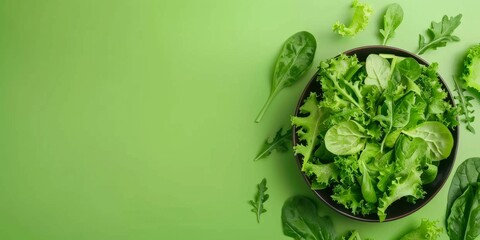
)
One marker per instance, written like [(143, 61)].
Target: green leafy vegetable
[(359, 21), (260, 198), (468, 173), (375, 135), (281, 142), (300, 220), (391, 20), (352, 235), (463, 223), (294, 60), (310, 126), (428, 230), (439, 139), (378, 70), (465, 106), (345, 138), (471, 67), (440, 34), (463, 205)]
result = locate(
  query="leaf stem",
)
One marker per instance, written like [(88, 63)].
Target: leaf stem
[(426, 46), (265, 106)]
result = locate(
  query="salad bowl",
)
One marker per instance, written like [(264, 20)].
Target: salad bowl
[(399, 208)]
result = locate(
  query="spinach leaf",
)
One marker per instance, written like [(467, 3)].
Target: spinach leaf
[(409, 68), (260, 198), (441, 34), (378, 70), (345, 138), (281, 142), (468, 173), (463, 223), (401, 112), (300, 220), (391, 20), (439, 139), (294, 60)]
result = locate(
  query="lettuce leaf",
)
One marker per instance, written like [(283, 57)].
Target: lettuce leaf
[(360, 19)]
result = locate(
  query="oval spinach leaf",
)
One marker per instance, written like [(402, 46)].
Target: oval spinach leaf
[(391, 20), (468, 173), (294, 60), (378, 70), (463, 223), (300, 220), (439, 139), (345, 138)]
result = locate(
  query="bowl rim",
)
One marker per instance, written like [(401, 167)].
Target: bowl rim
[(455, 133)]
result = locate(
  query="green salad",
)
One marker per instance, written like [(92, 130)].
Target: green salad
[(378, 131)]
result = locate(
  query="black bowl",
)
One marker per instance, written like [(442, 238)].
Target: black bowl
[(400, 208)]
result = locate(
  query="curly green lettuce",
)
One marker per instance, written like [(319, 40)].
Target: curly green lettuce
[(471, 67), (428, 230), (359, 21)]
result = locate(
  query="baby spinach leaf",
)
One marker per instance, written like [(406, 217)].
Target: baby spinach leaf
[(463, 223), (300, 220), (391, 20), (345, 138), (402, 109), (294, 60), (378, 70), (440, 33), (260, 198), (410, 70), (281, 142), (468, 173), (439, 139)]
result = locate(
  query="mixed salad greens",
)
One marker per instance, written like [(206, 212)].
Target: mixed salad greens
[(378, 132)]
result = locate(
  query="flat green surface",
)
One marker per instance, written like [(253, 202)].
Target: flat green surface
[(134, 119)]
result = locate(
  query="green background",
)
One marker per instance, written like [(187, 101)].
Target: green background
[(134, 119)]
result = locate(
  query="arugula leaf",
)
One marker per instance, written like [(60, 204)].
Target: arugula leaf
[(300, 220), (281, 143), (465, 106), (428, 230), (391, 20), (440, 33), (294, 60), (260, 198), (359, 21)]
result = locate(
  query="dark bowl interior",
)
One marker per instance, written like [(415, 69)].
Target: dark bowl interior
[(400, 208)]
